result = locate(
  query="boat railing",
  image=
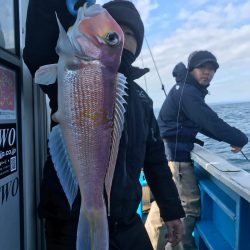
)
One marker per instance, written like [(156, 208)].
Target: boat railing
[(225, 203)]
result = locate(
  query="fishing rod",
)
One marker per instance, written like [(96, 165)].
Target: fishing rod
[(145, 80), (244, 155), (162, 85)]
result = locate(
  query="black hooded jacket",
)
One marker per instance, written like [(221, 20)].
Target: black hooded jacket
[(185, 113), (140, 145)]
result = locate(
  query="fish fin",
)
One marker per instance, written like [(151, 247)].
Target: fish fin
[(46, 74), (80, 14), (63, 47), (92, 231), (62, 164), (117, 132)]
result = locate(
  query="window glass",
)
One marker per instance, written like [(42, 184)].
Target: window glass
[(7, 28)]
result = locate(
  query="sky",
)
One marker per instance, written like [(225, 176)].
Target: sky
[(175, 28)]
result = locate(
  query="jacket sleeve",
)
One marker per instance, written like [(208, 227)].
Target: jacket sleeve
[(42, 31), (159, 176), (199, 112), (206, 133), (41, 38), (41, 34)]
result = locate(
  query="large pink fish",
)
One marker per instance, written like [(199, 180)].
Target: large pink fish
[(84, 145)]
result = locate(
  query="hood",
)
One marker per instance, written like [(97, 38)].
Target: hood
[(179, 72)]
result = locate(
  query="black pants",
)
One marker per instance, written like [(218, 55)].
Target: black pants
[(61, 235)]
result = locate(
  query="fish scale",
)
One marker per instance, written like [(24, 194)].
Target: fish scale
[(88, 129)]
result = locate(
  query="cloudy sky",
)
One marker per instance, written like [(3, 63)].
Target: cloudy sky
[(175, 28)]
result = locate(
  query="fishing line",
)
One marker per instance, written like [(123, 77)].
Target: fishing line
[(163, 88), (178, 115), (244, 155)]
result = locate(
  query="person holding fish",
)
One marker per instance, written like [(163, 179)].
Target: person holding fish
[(103, 127), (183, 114)]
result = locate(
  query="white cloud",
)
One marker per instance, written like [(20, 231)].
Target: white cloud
[(216, 15), (145, 7)]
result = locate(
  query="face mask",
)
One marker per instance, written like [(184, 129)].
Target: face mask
[(126, 61)]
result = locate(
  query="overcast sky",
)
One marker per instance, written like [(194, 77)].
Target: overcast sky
[(176, 28)]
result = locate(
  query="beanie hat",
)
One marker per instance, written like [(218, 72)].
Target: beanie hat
[(198, 58), (125, 13)]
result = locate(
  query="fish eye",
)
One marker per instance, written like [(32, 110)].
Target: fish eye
[(112, 38)]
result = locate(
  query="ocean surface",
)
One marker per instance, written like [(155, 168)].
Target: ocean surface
[(236, 115)]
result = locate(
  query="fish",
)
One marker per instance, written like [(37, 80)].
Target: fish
[(91, 106)]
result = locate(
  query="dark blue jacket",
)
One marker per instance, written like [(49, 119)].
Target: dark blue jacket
[(185, 113)]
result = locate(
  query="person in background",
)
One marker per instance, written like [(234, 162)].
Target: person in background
[(183, 114), (140, 146)]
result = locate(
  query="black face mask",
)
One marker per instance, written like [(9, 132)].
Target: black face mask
[(126, 61)]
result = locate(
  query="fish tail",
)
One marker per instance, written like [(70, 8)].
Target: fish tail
[(92, 232)]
